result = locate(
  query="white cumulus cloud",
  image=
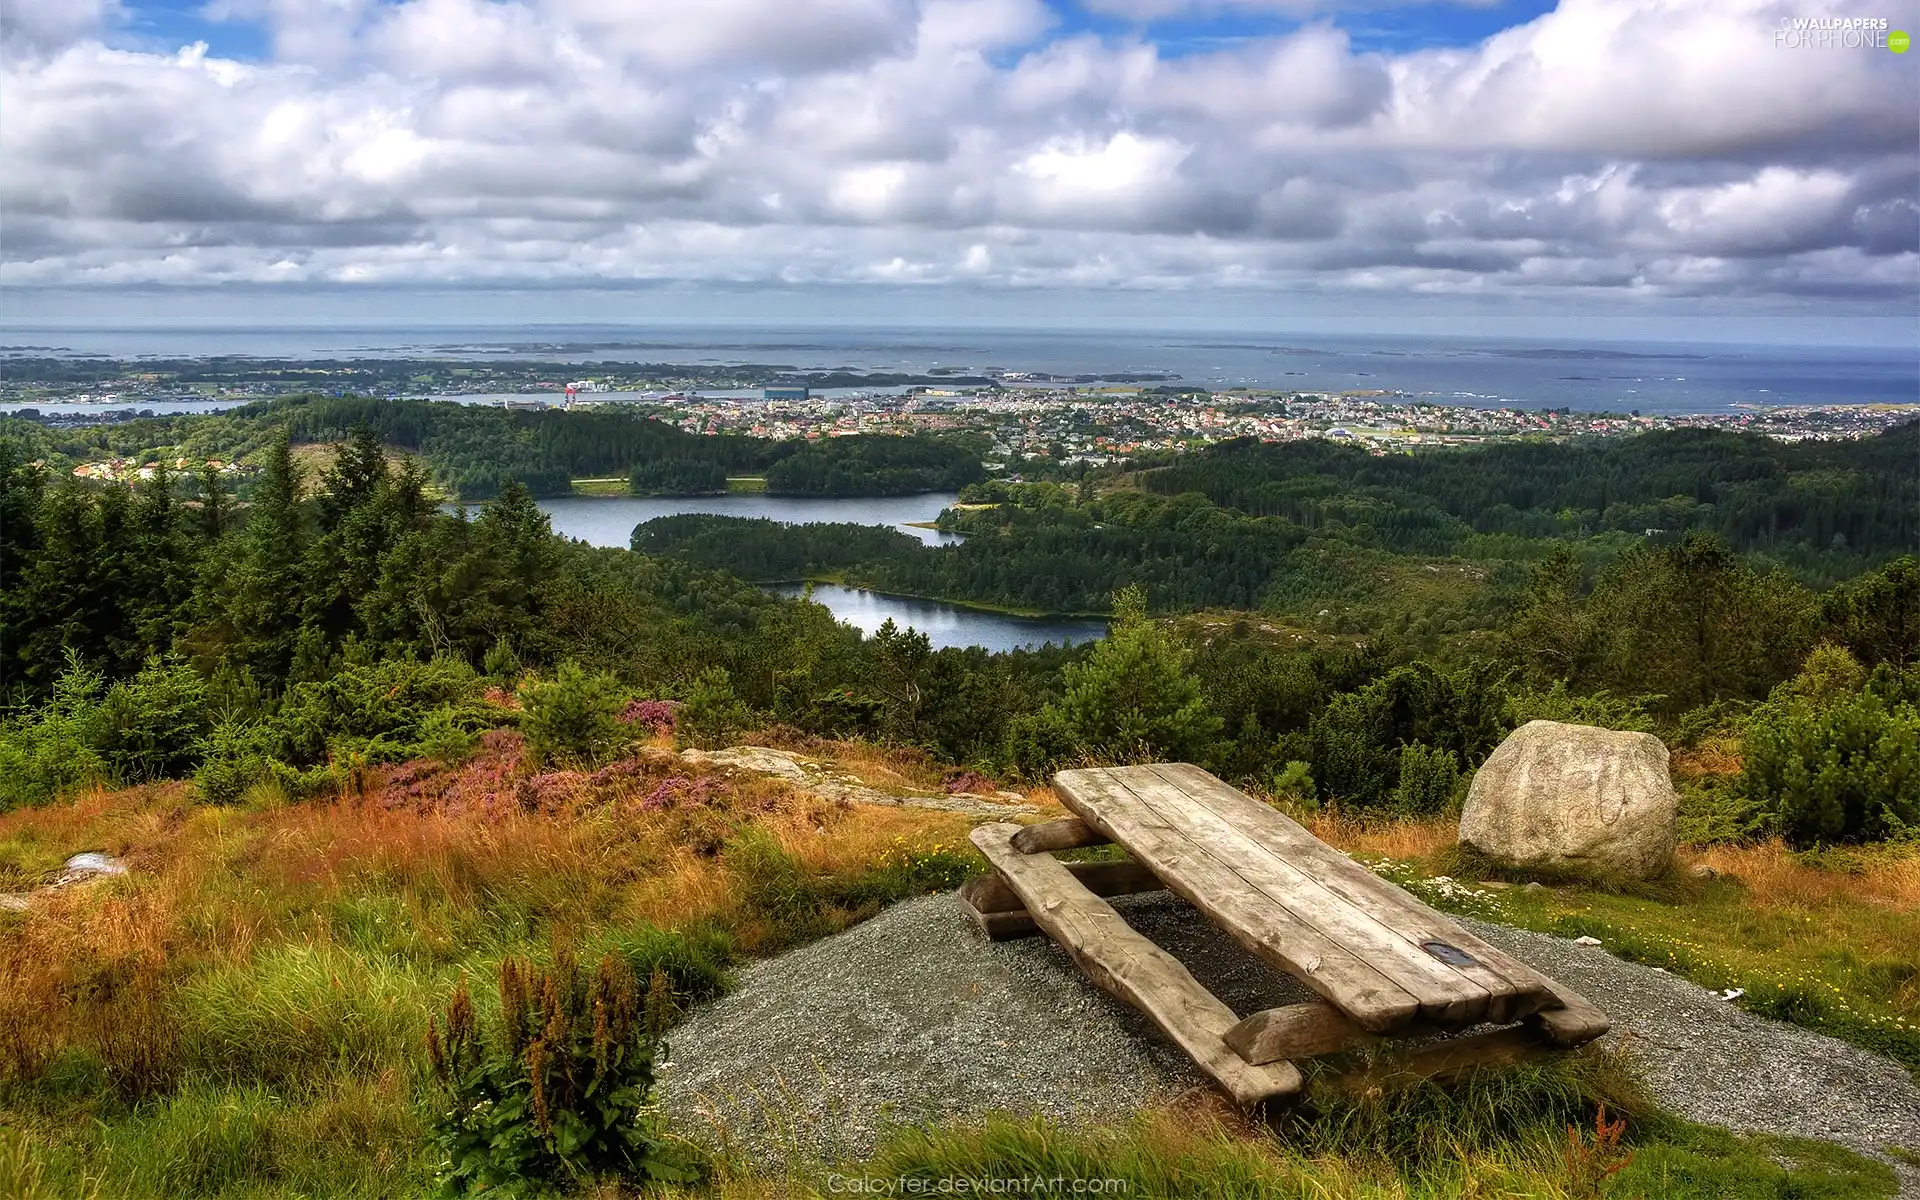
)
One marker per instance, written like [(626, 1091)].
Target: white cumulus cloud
[(1636, 146)]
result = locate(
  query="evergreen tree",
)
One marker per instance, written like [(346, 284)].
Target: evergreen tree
[(1877, 616), (1132, 698), (900, 658), (216, 505), (74, 591), (1550, 633), (163, 568), (22, 488), (1692, 622), (265, 596), (358, 473)]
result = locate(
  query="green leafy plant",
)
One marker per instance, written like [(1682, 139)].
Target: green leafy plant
[(562, 1092), (236, 755), (379, 711), (1295, 780), (1601, 708), (574, 718), (1133, 698), (1841, 769), (1428, 778), (151, 726), (712, 712), (51, 749)]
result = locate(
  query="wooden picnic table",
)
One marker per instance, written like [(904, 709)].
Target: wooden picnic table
[(1384, 963)]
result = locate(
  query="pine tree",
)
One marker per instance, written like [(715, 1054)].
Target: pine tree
[(216, 505), (1133, 697), (162, 569), (266, 595)]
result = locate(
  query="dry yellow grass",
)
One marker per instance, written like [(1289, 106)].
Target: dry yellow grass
[(1775, 876), (208, 888), (1406, 839)]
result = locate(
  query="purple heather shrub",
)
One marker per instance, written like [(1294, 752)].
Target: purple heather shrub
[(657, 715)]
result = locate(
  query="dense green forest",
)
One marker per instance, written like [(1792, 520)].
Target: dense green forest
[(345, 619), (1293, 529), (1823, 508), (865, 465), (472, 450)]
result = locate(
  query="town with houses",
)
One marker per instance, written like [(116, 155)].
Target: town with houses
[(1101, 423), (1024, 414)]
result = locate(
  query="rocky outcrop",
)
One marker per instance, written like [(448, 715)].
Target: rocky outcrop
[(1574, 797), (89, 866), (822, 780)]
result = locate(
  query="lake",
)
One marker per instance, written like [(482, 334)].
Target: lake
[(945, 624), (609, 520)]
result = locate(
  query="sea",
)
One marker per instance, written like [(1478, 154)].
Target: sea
[(1669, 378)]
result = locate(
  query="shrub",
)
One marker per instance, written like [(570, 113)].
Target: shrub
[(1295, 781), (377, 712), (1843, 770), (500, 661), (1133, 698), (445, 737), (574, 718), (51, 750), (712, 712), (1037, 741), (1829, 673), (153, 725), (1428, 778), (236, 755), (1355, 744), (1720, 718), (1601, 708), (562, 1091), (1714, 809), (656, 716), (1877, 616)]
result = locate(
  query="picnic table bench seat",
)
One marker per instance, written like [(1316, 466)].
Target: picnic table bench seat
[(1383, 963)]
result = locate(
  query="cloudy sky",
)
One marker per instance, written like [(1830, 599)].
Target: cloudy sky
[(1627, 166)]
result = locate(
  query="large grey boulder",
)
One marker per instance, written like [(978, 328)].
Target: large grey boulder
[(1574, 797)]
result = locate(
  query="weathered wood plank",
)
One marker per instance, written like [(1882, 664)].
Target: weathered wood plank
[(1445, 994), (998, 926), (1514, 988), (1126, 964), (1295, 1031), (1575, 1022), (1367, 994), (1065, 833), (1113, 878)]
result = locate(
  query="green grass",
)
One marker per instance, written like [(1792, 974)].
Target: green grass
[(601, 487), (337, 1138), (1526, 1131), (26, 860), (297, 1011), (1784, 930), (746, 483)]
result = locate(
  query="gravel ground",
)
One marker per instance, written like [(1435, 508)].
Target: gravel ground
[(913, 1016)]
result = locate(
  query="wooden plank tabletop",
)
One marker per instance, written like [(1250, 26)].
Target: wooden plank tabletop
[(1367, 946)]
